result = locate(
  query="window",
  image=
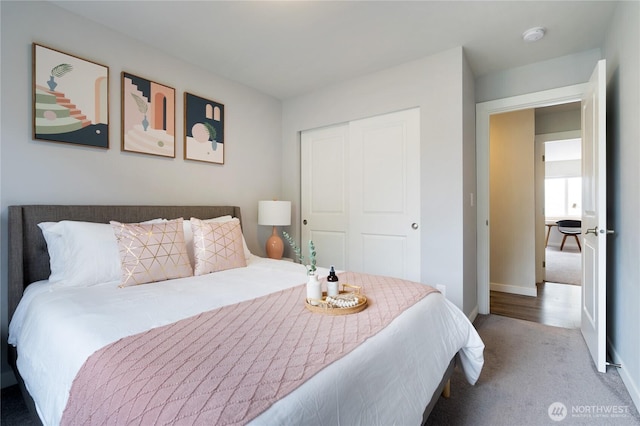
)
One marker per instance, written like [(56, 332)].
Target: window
[(563, 181), (563, 197)]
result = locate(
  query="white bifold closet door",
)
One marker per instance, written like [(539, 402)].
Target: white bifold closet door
[(360, 201)]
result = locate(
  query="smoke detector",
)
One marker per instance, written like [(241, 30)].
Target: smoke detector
[(533, 34)]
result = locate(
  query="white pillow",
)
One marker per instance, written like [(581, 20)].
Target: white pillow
[(81, 253), (188, 237), (55, 247)]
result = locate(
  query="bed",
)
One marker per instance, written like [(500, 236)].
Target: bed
[(395, 375)]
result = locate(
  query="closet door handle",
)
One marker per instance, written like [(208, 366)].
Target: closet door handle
[(414, 225)]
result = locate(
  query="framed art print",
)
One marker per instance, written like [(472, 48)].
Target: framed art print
[(148, 117), (70, 99), (203, 129)]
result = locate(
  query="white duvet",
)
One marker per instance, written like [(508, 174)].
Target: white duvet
[(387, 380)]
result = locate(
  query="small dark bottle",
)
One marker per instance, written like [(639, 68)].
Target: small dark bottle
[(332, 283)]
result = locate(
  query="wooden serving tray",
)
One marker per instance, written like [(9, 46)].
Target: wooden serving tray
[(322, 306)]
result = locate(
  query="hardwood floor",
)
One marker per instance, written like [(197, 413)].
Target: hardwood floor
[(556, 304)]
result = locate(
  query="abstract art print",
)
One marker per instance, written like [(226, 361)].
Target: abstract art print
[(203, 129), (70, 99), (148, 117)]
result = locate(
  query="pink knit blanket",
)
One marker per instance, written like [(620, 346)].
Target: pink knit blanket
[(227, 366)]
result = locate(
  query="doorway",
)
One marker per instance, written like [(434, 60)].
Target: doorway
[(523, 266), (561, 183), (558, 196), (483, 113), (533, 185)]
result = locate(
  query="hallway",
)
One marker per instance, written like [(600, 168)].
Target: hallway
[(557, 305)]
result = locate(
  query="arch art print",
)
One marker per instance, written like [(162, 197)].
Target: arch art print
[(70, 99), (148, 117), (203, 129)]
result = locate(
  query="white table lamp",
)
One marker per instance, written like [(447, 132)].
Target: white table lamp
[(274, 213)]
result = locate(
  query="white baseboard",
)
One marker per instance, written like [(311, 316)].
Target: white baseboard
[(515, 289), (632, 387), (474, 313), (8, 379)]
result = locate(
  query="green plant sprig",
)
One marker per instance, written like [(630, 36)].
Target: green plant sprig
[(142, 105), (211, 130), (61, 69), (311, 267), (312, 256)]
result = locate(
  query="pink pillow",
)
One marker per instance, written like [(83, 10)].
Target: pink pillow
[(151, 252), (217, 246)]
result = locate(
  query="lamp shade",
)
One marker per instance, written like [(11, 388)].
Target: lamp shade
[(274, 213)]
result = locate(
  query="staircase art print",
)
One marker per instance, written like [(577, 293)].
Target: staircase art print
[(148, 117), (70, 99)]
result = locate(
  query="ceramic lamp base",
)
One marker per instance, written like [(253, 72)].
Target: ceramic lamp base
[(275, 246)]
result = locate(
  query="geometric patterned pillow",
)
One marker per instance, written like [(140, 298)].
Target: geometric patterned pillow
[(188, 235), (217, 246), (151, 252)]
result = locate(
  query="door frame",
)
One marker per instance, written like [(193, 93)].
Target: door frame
[(484, 110)]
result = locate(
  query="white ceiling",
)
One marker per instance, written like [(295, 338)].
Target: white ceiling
[(287, 48)]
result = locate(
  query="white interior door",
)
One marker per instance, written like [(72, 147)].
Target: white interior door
[(384, 202), (360, 201), (594, 216), (324, 184)]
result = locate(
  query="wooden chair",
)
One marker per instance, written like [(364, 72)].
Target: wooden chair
[(570, 228)]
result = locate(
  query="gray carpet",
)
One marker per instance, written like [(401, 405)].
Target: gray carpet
[(564, 267), (528, 367), (14, 411)]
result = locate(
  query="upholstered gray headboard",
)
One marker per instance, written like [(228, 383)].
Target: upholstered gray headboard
[(28, 256)]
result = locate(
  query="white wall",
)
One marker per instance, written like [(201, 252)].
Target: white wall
[(550, 120), (512, 199), (435, 85), (622, 52), (558, 72), (41, 172), (469, 194)]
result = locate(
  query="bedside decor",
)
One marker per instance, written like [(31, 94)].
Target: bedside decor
[(311, 267), (70, 99), (345, 303), (148, 117), (314, 286), (314, 289), (274, 213), (203, 129)]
